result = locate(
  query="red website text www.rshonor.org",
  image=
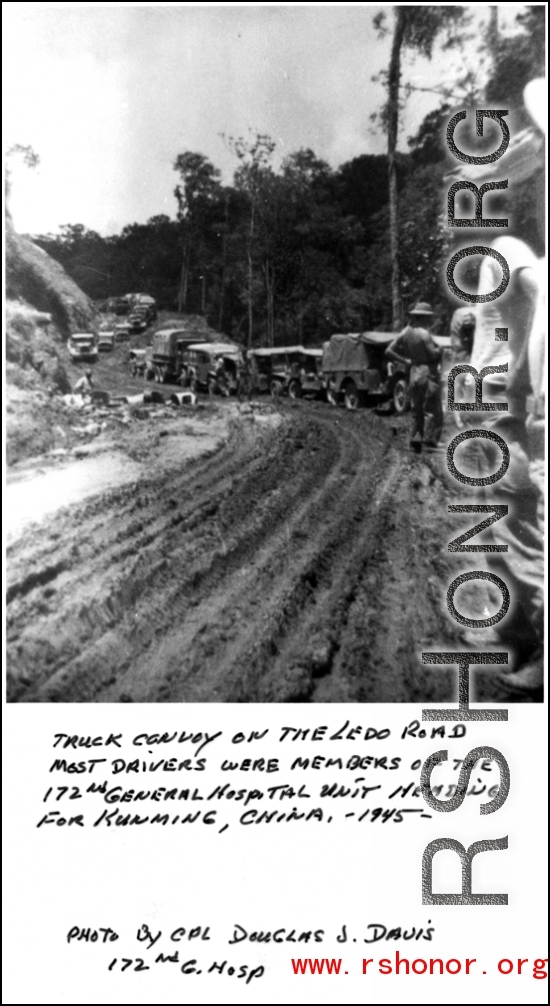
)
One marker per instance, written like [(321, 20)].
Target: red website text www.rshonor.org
[(420, 966)]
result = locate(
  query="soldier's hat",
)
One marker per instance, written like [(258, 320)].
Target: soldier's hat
[(421, 309)]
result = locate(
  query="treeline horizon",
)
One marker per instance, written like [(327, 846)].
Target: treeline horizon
[(294, 255), (297, 253)]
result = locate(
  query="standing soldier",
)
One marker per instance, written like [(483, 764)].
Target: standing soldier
[(244, 381), (415, 348)]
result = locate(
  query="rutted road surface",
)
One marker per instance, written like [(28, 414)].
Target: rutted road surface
[(303, 560)]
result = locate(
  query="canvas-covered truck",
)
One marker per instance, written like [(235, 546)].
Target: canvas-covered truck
[(274, 369), (214, 367), (356, 369), (168, 348), (268, 371), (307, 379)]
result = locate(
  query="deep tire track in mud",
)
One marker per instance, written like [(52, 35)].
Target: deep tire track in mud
[(301, 563)]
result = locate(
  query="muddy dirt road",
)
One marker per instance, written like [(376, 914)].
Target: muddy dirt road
[(302, 558)]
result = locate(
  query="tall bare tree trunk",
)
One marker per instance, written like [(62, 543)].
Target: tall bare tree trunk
[(184, 276), (202, 273), (250, 277), (222, 287), (224, 265), (301, 307), (393, 125), (269, 300), (249, 305), (272, 310), (180, 289)]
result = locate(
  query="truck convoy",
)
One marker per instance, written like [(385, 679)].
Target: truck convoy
[(351, 368), (130, 303)]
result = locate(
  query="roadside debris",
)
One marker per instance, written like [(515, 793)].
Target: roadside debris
[(101, 410), (183, 398), (90, 430)]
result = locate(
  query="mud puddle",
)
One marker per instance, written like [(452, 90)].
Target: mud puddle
[(33, 494), (300, 558)]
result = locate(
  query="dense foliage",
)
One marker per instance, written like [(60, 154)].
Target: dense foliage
[(296, 253)]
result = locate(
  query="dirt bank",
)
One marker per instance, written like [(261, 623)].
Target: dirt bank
[(300, 557)]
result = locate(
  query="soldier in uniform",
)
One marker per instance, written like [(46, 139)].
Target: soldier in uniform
[(415, 348)]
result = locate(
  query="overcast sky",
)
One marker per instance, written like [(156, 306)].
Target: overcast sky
[(109, 94)]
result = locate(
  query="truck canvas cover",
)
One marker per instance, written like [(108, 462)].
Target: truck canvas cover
[(216, 348), (312, 352), (165, 340), (351, 352), (276, 351)]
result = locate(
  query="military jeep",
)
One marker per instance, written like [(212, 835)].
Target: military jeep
[(214, 367)]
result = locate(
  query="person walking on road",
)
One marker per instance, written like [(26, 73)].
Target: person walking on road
[(415, 348)]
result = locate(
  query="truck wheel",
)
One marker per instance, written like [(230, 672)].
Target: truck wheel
[(275, 389), (295, 389), (332, 397), (400, 399), (351, 396)]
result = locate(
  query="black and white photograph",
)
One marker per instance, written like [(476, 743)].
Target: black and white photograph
[(275, 366), (226, 479)]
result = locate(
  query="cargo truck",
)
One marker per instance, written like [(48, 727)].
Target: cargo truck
[(168, 348)]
